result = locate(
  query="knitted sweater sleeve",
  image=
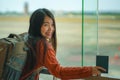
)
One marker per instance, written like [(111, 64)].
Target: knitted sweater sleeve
[(64, 72)]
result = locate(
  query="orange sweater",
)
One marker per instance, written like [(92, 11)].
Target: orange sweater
[(55, 68)]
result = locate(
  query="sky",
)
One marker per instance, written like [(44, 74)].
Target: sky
[(66, 5)]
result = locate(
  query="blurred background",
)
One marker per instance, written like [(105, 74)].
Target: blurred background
[(85, 29)]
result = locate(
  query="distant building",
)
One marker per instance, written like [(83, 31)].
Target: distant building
[(26, 11)]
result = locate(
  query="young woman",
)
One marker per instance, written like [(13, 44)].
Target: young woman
[(42, 33)]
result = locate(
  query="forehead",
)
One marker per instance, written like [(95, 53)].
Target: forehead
[(48, 19)]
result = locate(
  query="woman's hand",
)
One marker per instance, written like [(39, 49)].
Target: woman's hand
[(96, 71)]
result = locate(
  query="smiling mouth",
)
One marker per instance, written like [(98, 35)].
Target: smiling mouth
[(49, 34)]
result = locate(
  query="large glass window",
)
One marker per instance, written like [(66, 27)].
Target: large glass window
[(81, 33), (101, 35), (109, 30)]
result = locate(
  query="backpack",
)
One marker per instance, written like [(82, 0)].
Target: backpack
[(14, 51), (13, 55)]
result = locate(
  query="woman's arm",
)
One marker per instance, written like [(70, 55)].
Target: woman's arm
[(64, 72), (51, 63)]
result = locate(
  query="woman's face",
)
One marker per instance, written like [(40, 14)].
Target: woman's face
[(47, 28)]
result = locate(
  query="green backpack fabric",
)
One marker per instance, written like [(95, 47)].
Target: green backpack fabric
[(15, 52), (13, 55)]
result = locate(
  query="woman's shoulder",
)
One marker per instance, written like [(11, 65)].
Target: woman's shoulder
[(43, 42), (49, 45)]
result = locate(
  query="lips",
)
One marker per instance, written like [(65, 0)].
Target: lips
[(49, 34)]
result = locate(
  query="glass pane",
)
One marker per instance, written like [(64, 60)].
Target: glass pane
[(101, 34), (68, 23), (90, 32), (109, 38), (69, 37), (69, 40)]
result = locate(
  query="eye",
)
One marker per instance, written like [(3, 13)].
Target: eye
[(52, 25), (45, 24)]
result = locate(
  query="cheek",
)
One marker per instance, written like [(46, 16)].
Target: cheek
[(53, 29), (43, 30)]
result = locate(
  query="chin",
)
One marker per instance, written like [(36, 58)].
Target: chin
[(48, 37)]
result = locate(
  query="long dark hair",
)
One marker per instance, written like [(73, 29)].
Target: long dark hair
[(36, 22)]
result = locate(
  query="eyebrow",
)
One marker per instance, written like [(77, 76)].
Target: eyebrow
[(45, 22), (48, 22)]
